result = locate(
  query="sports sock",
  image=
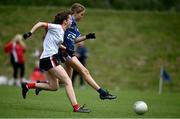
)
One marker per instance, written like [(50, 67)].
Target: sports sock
[(76, 107), (101, 92), (31, 85)]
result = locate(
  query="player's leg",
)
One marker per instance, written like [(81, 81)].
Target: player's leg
[(52, 85), (68, 69), (76, 64), (60, 73), (37, 90), (70, 72)]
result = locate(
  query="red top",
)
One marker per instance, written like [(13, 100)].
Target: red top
[(16, 50)]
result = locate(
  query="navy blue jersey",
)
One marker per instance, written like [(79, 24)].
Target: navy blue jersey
[(70, 35)]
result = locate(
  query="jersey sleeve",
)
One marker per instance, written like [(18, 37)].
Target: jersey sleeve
[(78, 34), (52, 26)]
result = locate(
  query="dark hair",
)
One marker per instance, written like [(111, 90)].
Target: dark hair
[(61, 16), (77, 7)]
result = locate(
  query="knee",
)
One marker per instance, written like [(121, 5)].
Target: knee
[(68, 82), (85, 72), (54, 88)]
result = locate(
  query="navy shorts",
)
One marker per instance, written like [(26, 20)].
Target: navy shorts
[(49, 62), (64, 56)]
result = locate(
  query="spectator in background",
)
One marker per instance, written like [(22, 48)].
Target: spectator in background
[(37, 75), (82, 54), (16, 48)]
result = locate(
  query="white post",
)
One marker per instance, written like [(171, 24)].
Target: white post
[(161, 81), (160, 85)]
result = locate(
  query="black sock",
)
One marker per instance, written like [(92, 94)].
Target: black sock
[(101, 92)]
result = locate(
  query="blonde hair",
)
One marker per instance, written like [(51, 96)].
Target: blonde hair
[(77, 8), (18, 38)]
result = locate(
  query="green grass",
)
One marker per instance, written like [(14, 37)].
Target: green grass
[(56, 104), (130, 49)]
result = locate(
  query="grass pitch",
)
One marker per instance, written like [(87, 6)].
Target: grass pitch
[(56, 104), (129, 50)]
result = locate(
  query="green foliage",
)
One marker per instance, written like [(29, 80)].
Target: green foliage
[(146, 4), (130, 49), (157, 5)]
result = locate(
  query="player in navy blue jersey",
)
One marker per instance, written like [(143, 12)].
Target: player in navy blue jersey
[(71, 37)]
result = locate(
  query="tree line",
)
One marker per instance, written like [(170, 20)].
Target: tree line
[(151, 5)]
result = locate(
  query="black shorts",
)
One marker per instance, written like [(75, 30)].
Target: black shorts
[(49, 62)]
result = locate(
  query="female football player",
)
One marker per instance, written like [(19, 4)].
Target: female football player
[(72, 36), (49, 60)]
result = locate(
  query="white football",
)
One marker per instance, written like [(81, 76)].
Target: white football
[(140, 107)]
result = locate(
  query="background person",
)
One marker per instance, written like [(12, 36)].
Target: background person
[(16, 48)]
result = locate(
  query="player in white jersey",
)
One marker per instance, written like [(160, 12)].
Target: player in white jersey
[(49, 61)]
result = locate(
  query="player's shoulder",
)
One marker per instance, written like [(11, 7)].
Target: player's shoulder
[(53, 25)]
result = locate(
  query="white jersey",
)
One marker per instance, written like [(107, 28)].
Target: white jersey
[(54, 37)]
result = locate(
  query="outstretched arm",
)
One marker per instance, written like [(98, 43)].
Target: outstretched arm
[(34, 28), (79, 39), (88, 36), (38, 25)]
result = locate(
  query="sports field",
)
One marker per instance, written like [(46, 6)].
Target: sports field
[(56, 104), (126, 57)]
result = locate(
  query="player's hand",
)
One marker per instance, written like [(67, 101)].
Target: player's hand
[(64, 53), (69, 51), (91, 36), (27, 35)]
